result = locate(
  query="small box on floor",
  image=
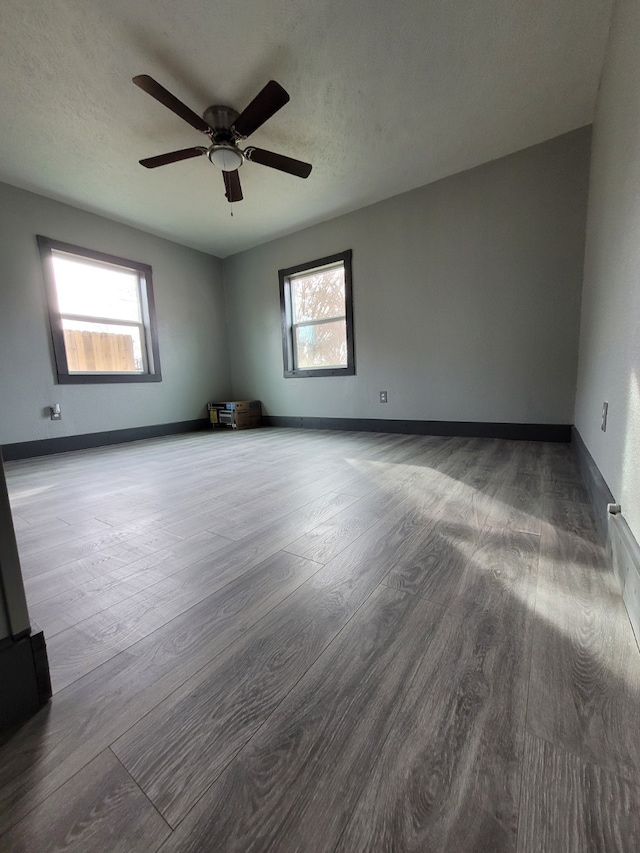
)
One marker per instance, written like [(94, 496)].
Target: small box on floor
[(237, 414)]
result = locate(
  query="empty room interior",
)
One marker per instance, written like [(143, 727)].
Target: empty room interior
[(320, 426)]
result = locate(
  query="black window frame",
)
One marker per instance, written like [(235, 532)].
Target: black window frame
[(286, 313), (147, 304)]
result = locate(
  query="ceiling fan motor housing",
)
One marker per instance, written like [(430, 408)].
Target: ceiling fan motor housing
[(221, 119), (223, 153)]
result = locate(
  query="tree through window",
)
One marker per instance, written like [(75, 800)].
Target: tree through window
[(317, 318)]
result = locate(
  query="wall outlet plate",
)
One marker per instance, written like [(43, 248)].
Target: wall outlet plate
[(383, 396)]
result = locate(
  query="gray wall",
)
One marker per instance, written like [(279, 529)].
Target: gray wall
[(466, 297), (610, 330), (191, 327)]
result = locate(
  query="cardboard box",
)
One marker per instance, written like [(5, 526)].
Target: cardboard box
[(247, 420), (249, 406), (236, 414)]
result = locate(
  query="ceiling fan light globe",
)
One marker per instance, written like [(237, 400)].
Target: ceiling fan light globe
[(226, 157)]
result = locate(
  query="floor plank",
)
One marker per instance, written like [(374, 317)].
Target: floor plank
[(293, 786), (88, 644), (517, 507), (585, 680), (448, 775), (575, 807), (82, 648), (433, 565), (74, 604), (125, 551), (53, 531), (98, 809), (172, 756), (570, 516), (567, 490), (328, 539), (89, 715)]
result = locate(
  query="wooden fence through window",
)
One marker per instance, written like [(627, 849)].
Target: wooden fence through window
[(99, 351)]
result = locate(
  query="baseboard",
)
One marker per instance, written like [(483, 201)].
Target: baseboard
[(463, 429), (599, 491), (622, 546), (625, 557), (46, 446), (24, 677)]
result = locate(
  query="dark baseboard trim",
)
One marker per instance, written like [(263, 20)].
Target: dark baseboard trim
[(622, 547), (462, 429), (24, 676), (46, 446), (599, 493), (625, 558)]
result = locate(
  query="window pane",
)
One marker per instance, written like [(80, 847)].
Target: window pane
[(322, 345), (318, 295), (93, 290), (102, 347)]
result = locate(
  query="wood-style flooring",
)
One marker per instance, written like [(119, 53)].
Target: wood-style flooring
[(282, 640)]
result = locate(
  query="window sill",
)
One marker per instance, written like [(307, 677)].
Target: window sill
[(329, 371), (106, 378)]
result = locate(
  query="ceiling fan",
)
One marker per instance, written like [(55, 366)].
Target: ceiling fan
[(225, 128)]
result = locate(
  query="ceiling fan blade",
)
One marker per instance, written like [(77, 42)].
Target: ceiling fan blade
[(151, 87), (278, 161), (232, 188), (265, 104), (172, 157)]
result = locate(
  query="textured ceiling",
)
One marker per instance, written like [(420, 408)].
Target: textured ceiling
[(385, 97)]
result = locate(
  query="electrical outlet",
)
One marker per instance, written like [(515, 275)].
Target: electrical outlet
[(605, 412), (383, 396), (56, 414)]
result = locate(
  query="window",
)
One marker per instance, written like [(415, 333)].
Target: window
[(317, 318), (102, 316)]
